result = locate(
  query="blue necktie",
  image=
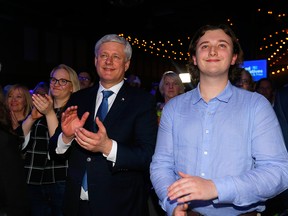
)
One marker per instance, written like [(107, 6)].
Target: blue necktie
[(103, 108), (101, 113)]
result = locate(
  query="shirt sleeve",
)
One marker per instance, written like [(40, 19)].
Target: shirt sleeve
[(61, 146), (112, 155), (26, 140), (269, 173)]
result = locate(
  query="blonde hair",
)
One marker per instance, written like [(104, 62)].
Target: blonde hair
[(27, 96), (72, 74), (175, 77)]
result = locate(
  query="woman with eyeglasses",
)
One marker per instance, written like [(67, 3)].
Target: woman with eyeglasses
[(46, 177), (86, 79)]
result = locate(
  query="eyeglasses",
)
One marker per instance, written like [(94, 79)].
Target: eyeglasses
[(62, 82), (83, 78)]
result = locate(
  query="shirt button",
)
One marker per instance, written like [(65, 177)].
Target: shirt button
[(206, 131), (88, 159), (202, 174), (205, 152)]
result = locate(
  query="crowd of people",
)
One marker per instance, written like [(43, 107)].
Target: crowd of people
[(87, 144)]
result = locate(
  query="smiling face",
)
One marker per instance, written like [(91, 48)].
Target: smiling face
[(61, 91), (214, 53), (111, 63), (16, 100), (19, 101)]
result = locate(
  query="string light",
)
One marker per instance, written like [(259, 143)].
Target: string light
[(273, 46), (170, 49), (173, 49)]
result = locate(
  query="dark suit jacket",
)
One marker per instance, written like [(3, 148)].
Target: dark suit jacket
[(281, 109), (120, 189), (13, 191)]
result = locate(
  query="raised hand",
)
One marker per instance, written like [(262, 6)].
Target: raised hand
[(44, 104), (95, 142), (35, 114), (70, 122)]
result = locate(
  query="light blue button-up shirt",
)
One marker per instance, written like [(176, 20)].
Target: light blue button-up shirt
[(235, 140)]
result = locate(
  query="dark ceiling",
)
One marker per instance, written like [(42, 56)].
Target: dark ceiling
[(163, 20), (136, 15)]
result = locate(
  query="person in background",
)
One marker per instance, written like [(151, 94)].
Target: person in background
[(46, 177), (133, 80), (13, 190), (6, 88), (41, 88), (86, 79), (219, 150), (266, 88), (115, 153), (245, 80), (170, 86), (19, 102), (154, 88), (279, 205)]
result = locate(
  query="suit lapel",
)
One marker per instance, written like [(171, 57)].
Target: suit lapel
[(90, 107), (119, 104)]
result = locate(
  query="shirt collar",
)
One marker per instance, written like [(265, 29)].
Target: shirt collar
[(114, 88), (224, 96)]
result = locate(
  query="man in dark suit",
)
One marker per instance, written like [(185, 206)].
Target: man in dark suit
[(116, 156)]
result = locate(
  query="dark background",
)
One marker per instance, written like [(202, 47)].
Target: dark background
[(38, 35)]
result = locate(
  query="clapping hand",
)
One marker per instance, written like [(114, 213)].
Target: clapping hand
[(94, 142), (70, 122), (43, 103)]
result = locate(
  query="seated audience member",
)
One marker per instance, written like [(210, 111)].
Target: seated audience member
[(86, 79), (13, 191)]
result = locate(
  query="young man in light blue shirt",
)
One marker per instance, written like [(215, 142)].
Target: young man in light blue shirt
[(220, 149)]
